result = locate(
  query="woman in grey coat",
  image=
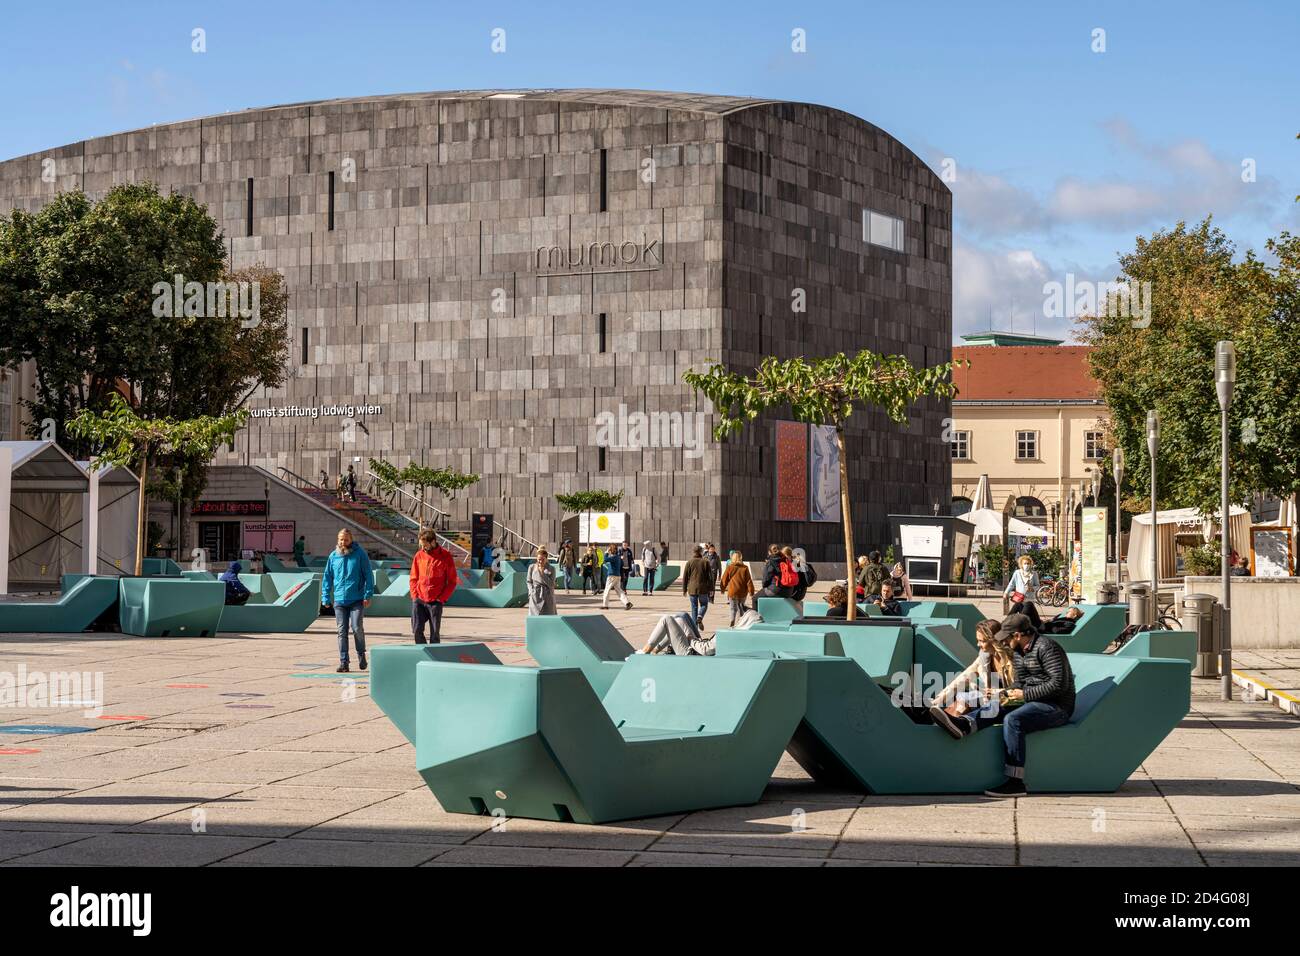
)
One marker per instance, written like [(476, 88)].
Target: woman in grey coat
[(541, 585)]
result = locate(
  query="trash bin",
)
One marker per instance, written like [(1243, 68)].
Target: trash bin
[(1140, 607), (1108, 592), (1202, 613)]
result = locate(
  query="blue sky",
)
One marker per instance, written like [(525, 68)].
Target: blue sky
[(1062, 154)]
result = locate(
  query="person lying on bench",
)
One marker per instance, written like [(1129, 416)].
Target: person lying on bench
[(979, 687), (678, 634), (1044, 691), (236, 593), (1063, 623), (887, 603)]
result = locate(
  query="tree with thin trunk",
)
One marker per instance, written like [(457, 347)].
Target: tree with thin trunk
[(126, 440), (822, 392), (587, 502)]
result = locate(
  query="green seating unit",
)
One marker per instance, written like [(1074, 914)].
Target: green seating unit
[(159, 567), (84, 600), (1099, 625), (170, 607), (394, 600), (673, 734), (1178, 645), (290, 612), (589, 642), (510, 591), (968, 614), (778, 610), (664, 576), (819, 609)]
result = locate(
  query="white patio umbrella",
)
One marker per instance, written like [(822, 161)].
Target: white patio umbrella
[(988, 524), (983, 495)]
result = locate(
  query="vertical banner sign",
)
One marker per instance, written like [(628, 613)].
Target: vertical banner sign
[(1076, 571), (824, 474), (1093, 536), (480, 534), (791, 471)]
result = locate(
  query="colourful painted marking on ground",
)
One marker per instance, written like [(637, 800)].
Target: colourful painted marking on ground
[(123, 717), (252, 706), (17, 751), (44, 729), (186, 686), (242, 695)]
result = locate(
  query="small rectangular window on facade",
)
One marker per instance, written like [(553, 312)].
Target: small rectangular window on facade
[(304, 345), (1026, 446), (881, 230), (604, 180), (1094, 448), (603, 328), (331, 206), (600, 454), (961, 446), (250, 206)]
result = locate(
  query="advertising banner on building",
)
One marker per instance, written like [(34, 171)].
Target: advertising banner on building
[(791, 471), (606, 527), (824, 474), (273, 536), (1093, 527)]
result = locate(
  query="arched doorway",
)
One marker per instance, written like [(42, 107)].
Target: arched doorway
[(1030, 509), (960, 505)]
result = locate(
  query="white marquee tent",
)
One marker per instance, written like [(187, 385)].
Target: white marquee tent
[(42, 496), (1171, 523)]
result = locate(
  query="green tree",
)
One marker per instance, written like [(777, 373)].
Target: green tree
[(1201, 293), (822, 392), (448, 481), (123, 439), (80, 289), (587, 502)]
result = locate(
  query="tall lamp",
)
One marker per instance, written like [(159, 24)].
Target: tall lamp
[(1153, 447), (1117, 470), (1225, 376)]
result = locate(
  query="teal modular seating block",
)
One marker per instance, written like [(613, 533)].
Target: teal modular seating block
[(853, 731), (199, 576), (589, 642), (394, 600), (159, 567), (1178, 645), (1099, 625), (881, 652), (673, 734), (968, 614), (392, 675), (510, 591), (469, 577), (170, 607), (664, 576), (291, 612), (84, 600), (819, 609), (778, 610)]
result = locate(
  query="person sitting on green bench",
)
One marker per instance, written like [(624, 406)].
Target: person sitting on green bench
[(236, 593), (1063, 623), (837, 601), (887, 603), (1043, 692), (979, 687)]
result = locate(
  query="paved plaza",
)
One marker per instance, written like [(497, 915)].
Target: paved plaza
[(235, 751)]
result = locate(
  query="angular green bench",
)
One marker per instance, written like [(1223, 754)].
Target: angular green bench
[(170, 607), (291, 612), (589, 642), (1179, 645), (84, 600), (968, 614), (510, 591), (1099, 625), (819, 609), (672, 735), (777, 610), (394, 600), (392, 675), (664, 576), (159, 567)]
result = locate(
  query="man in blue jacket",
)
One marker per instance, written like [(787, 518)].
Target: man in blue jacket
[(236, 593), (348, 585)]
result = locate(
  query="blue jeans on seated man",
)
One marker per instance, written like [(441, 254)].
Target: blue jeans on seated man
[(699, 607), (1026, 718), (350, 615)]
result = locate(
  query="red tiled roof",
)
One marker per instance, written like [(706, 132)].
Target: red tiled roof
[(1023, 373)]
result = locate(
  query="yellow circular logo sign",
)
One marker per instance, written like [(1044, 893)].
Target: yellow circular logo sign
[(603, 523)]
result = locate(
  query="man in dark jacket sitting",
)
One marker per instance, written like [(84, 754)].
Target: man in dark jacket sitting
[(236, 593), (1042, 697)]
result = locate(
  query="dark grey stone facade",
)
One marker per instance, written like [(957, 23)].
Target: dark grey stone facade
[(461, 286)]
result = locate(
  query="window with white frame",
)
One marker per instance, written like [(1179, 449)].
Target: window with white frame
[(961, 446), (1094, 448), (1026, 446), (882, 230)]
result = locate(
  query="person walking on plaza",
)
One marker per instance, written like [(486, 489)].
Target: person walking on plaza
[(352, 484), (601, 555), (614, 581), (772, 573), (568, 563), (324, 480), (1023, 584), (300, 551), (624, 563), (697, 584), (902, 583), (341, 487), (348, 585), (738, 583), (663, 553), (541, 585), (649, 565), (589, 569), (715, 563), (1042, 697), (433, 579), (872, 575)]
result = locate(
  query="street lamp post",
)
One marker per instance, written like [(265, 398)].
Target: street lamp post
[(1153, 446), (1225, 375), (1117, 469), (266, 523)]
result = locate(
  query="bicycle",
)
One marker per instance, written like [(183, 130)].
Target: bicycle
[(1053, 592)]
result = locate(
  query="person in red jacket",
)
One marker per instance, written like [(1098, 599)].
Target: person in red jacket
[(433, 578)]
